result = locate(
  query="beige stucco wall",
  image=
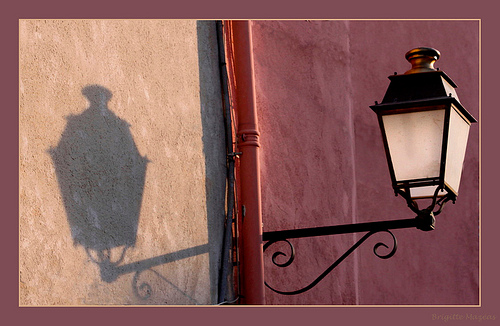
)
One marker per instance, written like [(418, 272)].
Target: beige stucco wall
[(120, 145)]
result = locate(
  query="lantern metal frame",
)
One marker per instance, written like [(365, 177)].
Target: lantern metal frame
[(419, 89)]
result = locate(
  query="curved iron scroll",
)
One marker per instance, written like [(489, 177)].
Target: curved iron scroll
[(279, 253), (335, 264)]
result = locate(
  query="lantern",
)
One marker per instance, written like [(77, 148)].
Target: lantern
[(424, 128)]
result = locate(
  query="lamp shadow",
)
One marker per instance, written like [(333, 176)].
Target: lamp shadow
[(101, 176)]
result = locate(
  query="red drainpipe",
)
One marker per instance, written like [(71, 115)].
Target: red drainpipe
[(251, 256)]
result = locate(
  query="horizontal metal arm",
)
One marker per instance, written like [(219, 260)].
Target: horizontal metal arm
[(340, 229)]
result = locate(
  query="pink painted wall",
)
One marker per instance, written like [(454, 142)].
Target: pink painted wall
[(323, 161)]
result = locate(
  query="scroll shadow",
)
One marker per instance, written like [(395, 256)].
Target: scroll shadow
[(144, 290)]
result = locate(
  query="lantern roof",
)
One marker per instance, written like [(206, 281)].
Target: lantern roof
[(423, 85), (420, 86)]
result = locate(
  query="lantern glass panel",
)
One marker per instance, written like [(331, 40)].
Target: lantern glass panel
[(425, 192), (457, 143), (415, 141)]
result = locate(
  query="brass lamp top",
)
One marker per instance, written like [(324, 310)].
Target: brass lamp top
[(422, 59)]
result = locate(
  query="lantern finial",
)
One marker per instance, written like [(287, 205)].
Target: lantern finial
[(422, 59)]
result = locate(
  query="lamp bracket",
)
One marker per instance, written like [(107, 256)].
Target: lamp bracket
[(425, 221), (371, 228), (332, 266)]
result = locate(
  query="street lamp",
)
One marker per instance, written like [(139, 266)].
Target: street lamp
[(424, 129)]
